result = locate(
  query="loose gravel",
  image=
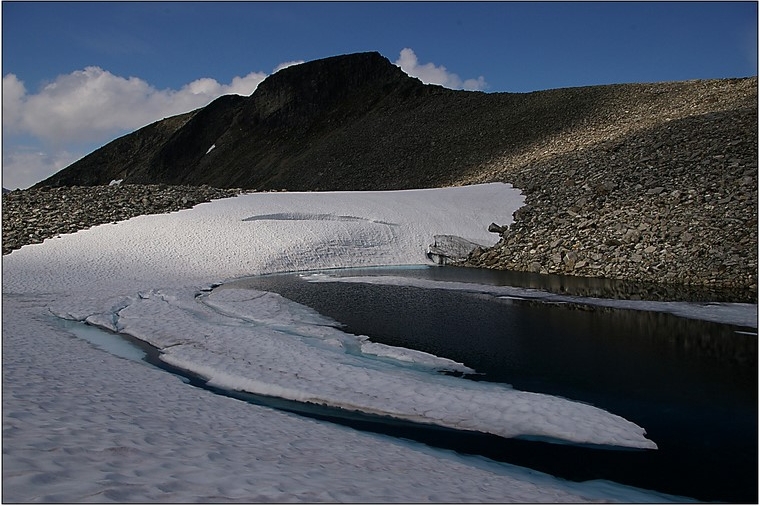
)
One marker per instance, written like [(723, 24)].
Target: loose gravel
[(33, 215), (664, 192)]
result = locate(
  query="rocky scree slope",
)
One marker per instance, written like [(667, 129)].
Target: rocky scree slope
[(649, 182), (662, 188)]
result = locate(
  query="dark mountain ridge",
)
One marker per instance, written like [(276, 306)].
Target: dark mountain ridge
[(358, 122), (348, 122), (256, 138)]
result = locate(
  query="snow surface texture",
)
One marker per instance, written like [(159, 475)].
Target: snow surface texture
[(81, 424), (257, 234)]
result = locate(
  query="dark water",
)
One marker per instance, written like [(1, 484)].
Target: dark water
[(692, 385)]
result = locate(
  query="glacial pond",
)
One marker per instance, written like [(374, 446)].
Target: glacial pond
[(692, 384)]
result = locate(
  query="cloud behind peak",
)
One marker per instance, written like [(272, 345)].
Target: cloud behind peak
[(429, 73)]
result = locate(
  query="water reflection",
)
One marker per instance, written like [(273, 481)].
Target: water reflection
[(585, 287), (691, 384)]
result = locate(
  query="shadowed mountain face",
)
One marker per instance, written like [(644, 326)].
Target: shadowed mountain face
[(348, 122), (259, 141), (358, 122)]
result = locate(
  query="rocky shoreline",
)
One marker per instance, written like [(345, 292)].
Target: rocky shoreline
[(666, 197), (33, 215)]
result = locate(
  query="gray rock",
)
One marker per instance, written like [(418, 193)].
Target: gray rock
[(647, 185), (497, 229), (451, 249)]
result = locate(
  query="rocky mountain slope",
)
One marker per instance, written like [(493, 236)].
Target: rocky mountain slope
[(663, 190), (649, 182)]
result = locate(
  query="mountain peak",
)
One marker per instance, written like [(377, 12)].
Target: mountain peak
[(349, 70), (298, 92)]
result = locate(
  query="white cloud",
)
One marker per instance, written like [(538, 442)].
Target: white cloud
[(428, 73), (286, 65), (475, 84), (90, 106), (22, 167), (244, 85), (94, 104), (13, 93)]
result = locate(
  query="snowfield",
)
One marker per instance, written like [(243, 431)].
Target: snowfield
[(84, 425)]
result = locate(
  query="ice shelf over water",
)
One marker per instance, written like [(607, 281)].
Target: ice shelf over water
[(275, 347), (81, 424)]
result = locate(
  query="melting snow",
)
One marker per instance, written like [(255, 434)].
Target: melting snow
[(272, 346), (83, 424)]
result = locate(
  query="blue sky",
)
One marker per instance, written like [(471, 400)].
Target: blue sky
[(79, 74)]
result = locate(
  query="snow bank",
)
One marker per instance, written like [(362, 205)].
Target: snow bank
[(260, 233), (82, 424)]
